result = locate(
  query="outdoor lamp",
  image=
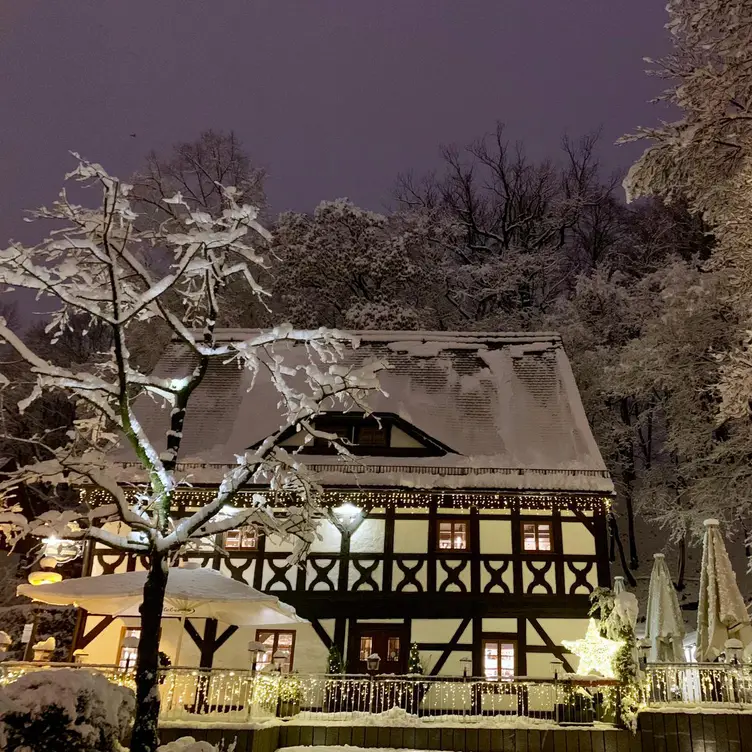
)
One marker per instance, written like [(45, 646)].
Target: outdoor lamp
[(279, 658), (644, 651), (734, 649), (556, 667), (5, 643), (348, 514), (255, 649), (372, 662)]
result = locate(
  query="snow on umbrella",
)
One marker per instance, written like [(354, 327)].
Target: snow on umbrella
[(664, 626), (721, 613), (201, 593)]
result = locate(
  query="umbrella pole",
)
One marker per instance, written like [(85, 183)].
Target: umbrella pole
[(180, 640)]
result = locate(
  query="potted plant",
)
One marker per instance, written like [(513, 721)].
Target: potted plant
[(290, 692)]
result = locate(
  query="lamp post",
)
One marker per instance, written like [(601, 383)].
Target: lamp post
[(280, 658), (644, 648), (734, 649), (556, 667), (255, 649), (372, 666)]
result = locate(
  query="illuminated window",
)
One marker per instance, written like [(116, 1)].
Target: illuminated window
[(536, 536), (393, 649), (453, 535), (128, 649), (498, 659), (245, 539), (280, 649), (366, 647)]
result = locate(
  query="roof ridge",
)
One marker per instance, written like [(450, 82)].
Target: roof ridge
[(408, 335)]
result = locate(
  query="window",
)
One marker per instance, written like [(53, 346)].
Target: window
[(128, 649), (498, 659), (245, 539), (372, 434), (536, 536), (366, 648), (393, 649), (279, 645), (453, 535)]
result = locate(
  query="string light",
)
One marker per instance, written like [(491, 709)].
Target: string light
[(596, 653), (382, 498)]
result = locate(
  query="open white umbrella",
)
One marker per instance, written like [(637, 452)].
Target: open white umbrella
[(721, 613), (200, 593), (664, 626)]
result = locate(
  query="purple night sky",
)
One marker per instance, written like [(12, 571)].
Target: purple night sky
[(334, 97)]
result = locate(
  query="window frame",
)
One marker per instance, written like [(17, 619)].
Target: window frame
[(119, 655), (499, 639), (537, 549), (453, 521), (242, 532), (275, 645)]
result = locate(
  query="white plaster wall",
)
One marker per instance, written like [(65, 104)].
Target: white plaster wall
[(495, 537), (527, 579), (453, 512), (103, 650), (331, 577), (421, 577), (310, 654), (330, 541), (354, 575), (437, 630), (507, 578), (454, 665), (275, 544), (499, 625), (400, 439), (532, 637), (539, 665), (247, 574), (564, 629), (569, 579), (465, 576), (410, 536), (368, 538), (290, 575), (577, 539)]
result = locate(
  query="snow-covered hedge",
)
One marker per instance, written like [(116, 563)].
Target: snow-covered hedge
[(187, 744), (65, 710)]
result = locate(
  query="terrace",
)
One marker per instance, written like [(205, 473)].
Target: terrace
[(242, 696)]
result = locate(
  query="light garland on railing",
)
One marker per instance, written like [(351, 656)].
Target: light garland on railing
[(227, 692), (196, 497)]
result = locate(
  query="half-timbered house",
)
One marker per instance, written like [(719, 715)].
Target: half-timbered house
[(472, 521)]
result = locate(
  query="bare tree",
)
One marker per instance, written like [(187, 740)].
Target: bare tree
[(92, 267)]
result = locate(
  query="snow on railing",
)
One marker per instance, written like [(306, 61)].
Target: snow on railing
[(240, 695), (701, 684)]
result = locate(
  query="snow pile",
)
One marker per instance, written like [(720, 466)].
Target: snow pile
[(188, 744), (78, 707)]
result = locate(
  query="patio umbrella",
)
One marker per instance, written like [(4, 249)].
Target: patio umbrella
[(664, 626), (721, 613), (201, 593)]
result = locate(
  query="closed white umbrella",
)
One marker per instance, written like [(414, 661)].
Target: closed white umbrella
[(721, 613), (200, 593), (664, 626)]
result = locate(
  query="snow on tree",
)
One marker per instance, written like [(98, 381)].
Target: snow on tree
[(102, 266), (706, 156)]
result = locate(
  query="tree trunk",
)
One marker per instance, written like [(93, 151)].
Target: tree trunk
[(145, 737)]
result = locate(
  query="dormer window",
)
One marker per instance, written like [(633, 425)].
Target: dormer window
[(382, 435)]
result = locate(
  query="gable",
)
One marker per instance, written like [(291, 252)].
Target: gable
[(374, 435)]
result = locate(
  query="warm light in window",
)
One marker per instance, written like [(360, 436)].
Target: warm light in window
[(498, 659), (366, 647), (536, 536), (245, 539), (452, 536)]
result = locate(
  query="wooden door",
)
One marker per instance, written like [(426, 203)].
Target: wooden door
[(389, 641)]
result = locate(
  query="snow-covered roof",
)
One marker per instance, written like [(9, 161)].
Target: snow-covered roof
[(505, 403)]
